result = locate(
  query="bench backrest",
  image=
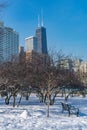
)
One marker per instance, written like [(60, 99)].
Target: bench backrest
[(65, 106)]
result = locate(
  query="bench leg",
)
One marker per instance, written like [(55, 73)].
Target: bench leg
[(69, 113), (62, 110), (77, 114)]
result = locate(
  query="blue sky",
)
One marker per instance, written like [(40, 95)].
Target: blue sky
[(65, 21)]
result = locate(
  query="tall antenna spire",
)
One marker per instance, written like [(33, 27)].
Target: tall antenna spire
[(42, 17), (38, 21)]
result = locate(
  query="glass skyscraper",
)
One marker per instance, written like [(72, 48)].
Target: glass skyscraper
[(41, 40), (9, 43)]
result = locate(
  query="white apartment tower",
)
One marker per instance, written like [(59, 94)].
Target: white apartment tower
[(9, 43), (31, 44)]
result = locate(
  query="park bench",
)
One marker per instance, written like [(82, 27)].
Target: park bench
[(71, 109)]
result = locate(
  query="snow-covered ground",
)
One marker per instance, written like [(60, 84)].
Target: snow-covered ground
[(31, 115)]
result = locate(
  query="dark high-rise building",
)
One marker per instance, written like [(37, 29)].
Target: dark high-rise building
[(41, 40)]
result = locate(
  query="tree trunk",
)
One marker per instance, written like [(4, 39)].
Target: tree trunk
[(48, 104), (7, 100), (45, 97), (27, 96), (14, 101), (19, 101)]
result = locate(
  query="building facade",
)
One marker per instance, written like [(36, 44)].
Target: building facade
[(76, 65), (22, 54), (37, 59), (41, 39), (83, 67), (9, 43), (31, 44), (66, 64), (21, 49)]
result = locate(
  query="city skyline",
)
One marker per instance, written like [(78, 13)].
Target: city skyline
[(37, 43), (65, 21)]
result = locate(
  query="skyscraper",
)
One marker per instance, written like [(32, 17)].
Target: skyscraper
[(9, 43), (31, 44), (41, 39)]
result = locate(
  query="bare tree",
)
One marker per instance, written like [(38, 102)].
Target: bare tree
[(46, 80)]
